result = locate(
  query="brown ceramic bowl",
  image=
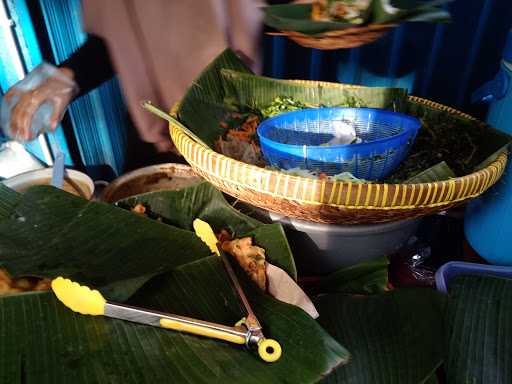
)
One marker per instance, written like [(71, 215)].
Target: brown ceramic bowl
[(154, 178)]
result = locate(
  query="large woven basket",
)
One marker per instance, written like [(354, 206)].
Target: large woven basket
[(325, 201), (346, 38)]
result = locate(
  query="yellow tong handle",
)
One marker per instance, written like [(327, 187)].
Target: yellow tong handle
[(201, 331)]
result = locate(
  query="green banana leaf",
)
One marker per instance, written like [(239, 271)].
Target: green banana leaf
[(208, 85), (487, 140), (492, 157), (430, 15), (479, 323), (50, 233), (464, 145), (202, 107), (391, 11), (180, 208), (246, 90), (297, 17), (8, 200), (366, 278), (432, 379), (393, 338), (440, 171), (44, 342), (227, 85)]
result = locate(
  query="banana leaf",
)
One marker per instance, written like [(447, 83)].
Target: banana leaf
[(88, 349), (44, 342), (432, 379), (492, 157), (391, 11), (180, 208), (463, 144), (430, 15), (202, 107), (393, 338), (366, 278), (247, 90), (8, 200), (479, 323), (226, 85), (297, 17), (50, 232), (487, 140), (440, 171)]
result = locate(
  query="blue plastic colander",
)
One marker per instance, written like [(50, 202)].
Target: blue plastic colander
[(298, 140)]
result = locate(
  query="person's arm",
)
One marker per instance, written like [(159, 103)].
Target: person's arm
[(90, 65), (85, 70)]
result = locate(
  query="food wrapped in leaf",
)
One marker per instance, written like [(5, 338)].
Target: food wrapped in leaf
[(239, 140), (9, 286), (140, 209), (250, 257), (354, 11), (247, 151), (282, 104)]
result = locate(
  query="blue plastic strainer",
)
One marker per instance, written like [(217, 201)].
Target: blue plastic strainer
[(299, 139)]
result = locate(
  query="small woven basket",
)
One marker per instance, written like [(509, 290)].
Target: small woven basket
[(351, 37), (295, 140), (336, 202)]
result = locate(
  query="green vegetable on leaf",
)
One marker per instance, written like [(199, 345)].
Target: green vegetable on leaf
[(282, 104)]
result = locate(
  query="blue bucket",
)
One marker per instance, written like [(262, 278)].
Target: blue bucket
[(488, 224), (300, 139)]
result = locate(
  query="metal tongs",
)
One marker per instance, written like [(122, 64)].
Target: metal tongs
[(247, 331), (250, 324)]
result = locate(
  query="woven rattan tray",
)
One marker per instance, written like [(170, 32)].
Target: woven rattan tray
[(325, 201), (346, 38)]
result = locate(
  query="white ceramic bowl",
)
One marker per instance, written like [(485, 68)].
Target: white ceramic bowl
[(75, 182)]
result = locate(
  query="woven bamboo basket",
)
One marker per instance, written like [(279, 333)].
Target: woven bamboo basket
[(335, 202), (346, 38)]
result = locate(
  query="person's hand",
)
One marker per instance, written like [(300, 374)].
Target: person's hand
[(157, 134), (166, 146), (164, 143), (57, 90)]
